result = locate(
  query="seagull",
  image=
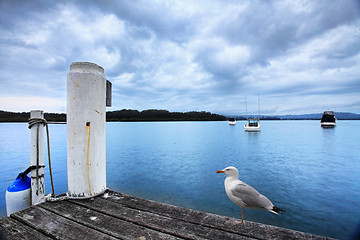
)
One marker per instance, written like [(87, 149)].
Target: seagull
[(244, 195)]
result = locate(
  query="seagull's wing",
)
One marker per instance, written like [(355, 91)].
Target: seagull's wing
[(251, 197)]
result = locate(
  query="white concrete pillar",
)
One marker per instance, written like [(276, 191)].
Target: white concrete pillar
[(37, 158), (86, 129)]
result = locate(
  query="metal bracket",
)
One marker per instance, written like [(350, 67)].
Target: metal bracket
[(108, 93)]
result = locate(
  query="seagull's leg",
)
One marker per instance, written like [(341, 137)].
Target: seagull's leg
[(242, 215)]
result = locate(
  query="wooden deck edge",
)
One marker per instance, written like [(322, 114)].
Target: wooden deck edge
[(138, 216), (224, 223)]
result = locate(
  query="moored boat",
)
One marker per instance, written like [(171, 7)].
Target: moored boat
[(253, 125), (232, 121), (328, 119)]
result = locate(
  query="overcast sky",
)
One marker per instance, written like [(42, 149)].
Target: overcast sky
[(297, 56)]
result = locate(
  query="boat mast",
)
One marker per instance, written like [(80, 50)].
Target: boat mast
[(259, 104), (246, 108)]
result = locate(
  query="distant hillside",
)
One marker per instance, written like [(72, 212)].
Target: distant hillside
[(125, 115), (317, 116), (261, 117), (311, 116)]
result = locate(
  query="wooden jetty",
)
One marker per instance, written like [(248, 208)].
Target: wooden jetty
[(115, 215)]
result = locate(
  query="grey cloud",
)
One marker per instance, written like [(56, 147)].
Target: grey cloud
[(274, 29), (20, 10), (149, 16), (198, 54), (349, 47)]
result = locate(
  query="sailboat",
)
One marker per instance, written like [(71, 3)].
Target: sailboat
[(253, 124)]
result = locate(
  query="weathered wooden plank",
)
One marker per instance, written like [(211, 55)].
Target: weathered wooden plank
[(56, 226), (249, 229), (166, 224), (120, 216), (104, 223), (13, 229)]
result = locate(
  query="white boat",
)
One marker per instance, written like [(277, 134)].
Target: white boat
[(232, 121), (328, 119), (253, 125)]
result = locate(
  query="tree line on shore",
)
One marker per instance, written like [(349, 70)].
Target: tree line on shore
[(125, 115), (24, 117), (128, 115)]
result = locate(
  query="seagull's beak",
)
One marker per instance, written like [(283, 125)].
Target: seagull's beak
[(220, 171)]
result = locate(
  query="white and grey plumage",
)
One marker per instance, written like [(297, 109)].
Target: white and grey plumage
[(244, 195)]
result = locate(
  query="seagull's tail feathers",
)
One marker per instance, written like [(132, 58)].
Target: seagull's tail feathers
[(277, 210)]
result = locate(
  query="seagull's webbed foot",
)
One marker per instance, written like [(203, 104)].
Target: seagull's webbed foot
[(242, 217)]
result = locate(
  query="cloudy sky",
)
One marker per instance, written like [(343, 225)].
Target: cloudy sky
[(186, 55)]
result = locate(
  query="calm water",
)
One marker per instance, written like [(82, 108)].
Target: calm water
[(311, 172)]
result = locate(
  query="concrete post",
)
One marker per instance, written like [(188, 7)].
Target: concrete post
[(37, 158), (86, 129)]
